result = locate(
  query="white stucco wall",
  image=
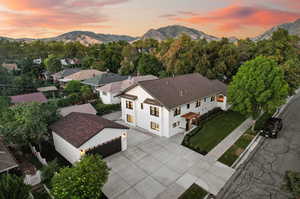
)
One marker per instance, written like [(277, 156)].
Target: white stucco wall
[(109, 98), (67, 150), (72, 154), (142, 117)]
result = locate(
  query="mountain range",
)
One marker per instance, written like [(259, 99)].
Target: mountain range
[(174, 31)]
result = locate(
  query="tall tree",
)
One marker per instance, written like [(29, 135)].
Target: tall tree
[(149, 64), (258, 86), (52, 63), (83, 181)]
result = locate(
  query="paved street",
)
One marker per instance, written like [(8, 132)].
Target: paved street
[(262, 177)]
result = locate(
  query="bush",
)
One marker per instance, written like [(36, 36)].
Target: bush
[(13, 187), (48, 172), (103, 109)]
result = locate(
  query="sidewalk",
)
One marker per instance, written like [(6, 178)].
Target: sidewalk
[(223, 146)]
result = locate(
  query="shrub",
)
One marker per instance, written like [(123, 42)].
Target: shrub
[(48, 171), (13, 187), (103, 109)]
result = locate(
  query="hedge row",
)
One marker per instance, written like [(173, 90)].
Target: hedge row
[(200, 122), (103, 109)]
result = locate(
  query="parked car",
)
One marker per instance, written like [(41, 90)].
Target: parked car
[(271, 128)]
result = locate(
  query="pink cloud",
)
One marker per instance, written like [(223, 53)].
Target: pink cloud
[(236, 17), (55, 15)]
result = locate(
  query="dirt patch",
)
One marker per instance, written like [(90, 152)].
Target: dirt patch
[(238, 151)]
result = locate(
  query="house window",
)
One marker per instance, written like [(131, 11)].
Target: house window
[(104, 93), (198, 103), (204, 99), (129, 118), (129, 105), (220, 98), (142, 106), (188, 106), (175, 124), (154, 111), (177, 111), (212, 99), (154, 126)]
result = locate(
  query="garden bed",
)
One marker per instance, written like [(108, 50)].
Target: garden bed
[(211, 132), (194, 192), (233, 153)]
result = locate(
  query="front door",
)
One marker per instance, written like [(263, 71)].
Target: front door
[(188, 125)]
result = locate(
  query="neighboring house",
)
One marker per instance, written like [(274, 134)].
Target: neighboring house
[(7, 160), (83, 108), (82, 75), (103, 79), (64, 73), (169, 106), (64, 62), (10, 67), (80, 133), (37, 61), (27, 98), (69, 61), (109, 92)]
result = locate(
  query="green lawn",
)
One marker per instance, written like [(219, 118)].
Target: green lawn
[(215, 130), (232, 154), (193, 192)]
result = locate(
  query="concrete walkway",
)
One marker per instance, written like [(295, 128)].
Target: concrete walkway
[(226, 143)]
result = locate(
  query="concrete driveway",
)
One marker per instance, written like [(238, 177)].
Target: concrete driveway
[(157, 167)]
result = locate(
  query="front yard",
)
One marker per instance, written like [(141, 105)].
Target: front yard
[(210, 133), (232, 154)]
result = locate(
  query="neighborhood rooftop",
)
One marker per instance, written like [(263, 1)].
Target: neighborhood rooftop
[(77, 128), (117, 87), (31, 97), (174, 91), (47, 89), (66, 72), (83, 75), (7, 161), (104, 78), (83, 108)]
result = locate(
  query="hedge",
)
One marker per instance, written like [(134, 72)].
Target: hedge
[(103, 109)]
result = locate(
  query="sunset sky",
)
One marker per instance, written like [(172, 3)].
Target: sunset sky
[(46, 18)]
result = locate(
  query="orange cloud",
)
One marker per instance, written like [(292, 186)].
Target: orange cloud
[(237, 18), (53, 15)]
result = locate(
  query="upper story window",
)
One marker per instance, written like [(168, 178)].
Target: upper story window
[(204, 99), (212, 99), (129, 104), (198, 103), (177, 111), (188, 106), (142, 106), (154, 111), (220, 98)]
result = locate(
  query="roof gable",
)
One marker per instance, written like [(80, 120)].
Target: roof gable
[(78, 128), (27, 98)]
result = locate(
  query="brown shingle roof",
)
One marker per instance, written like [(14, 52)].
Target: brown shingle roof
[(174, 91), (7, 160), (26, 98), (78, 128)]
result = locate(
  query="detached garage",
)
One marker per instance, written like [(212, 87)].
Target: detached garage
[(81, 133)]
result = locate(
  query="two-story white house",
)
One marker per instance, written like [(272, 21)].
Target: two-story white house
[(169, 106)]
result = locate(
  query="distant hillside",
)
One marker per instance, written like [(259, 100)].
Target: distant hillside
[(175, 31), (293, 28), (84, 37)]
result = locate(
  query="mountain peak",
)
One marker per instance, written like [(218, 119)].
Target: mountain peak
[(174, 31)]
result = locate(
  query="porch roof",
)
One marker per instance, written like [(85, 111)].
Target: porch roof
[(190, 115)]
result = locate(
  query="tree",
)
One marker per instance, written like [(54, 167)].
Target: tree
[(149, 64), (258, 86), (49, 170), (86, 92), (83, 181), (23, 124), (13, 187), (52, 63), (73, 87), (292, 73), (292, 183)]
